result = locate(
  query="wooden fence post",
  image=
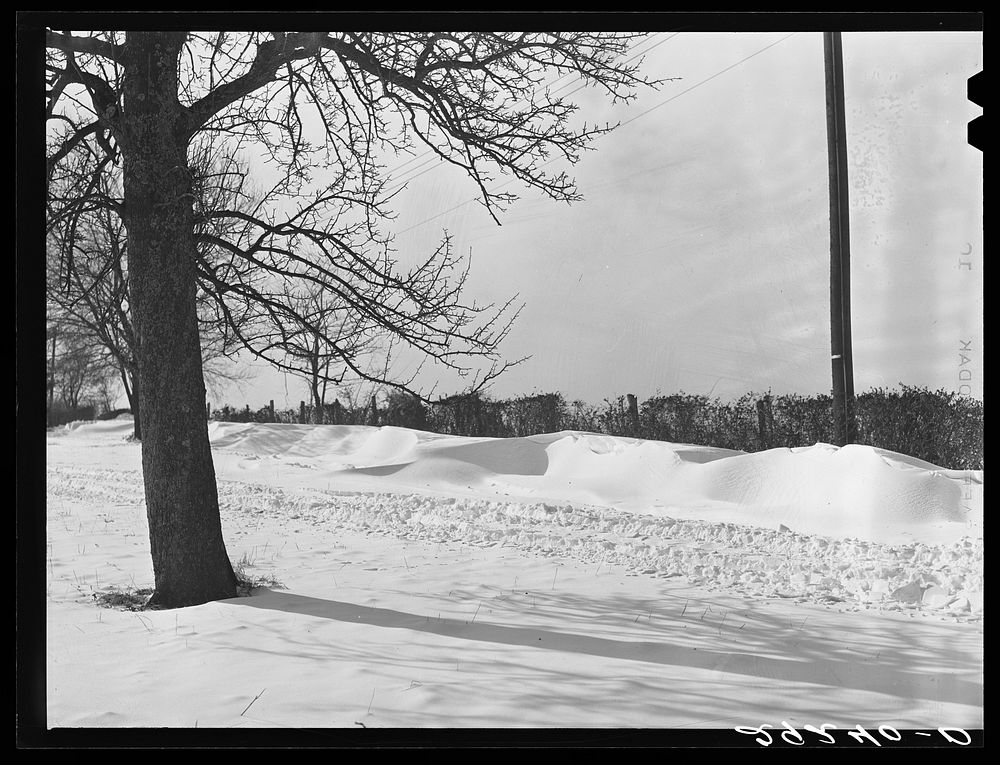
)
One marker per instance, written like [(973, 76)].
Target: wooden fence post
[(302, 412), (633, 415), (271, 409), (765, 421)]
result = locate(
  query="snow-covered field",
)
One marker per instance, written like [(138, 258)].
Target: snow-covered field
[(562, 580)]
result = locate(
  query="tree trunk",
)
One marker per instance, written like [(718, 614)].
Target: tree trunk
[(317, 404), (132, 394), (317, 400), (190, 563), (52, 377)]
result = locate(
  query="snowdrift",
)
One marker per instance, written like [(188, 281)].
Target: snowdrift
[(851, 492)]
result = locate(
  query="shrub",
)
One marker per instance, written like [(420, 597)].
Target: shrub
[(528, 415), (940, 427), (404, 410)]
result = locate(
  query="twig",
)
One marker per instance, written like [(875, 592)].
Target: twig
[(371, 701), (477, 612), (251, 703), (554, 578)]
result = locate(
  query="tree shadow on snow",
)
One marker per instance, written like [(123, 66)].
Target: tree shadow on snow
[(830, 671)]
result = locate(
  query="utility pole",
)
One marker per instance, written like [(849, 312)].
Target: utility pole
[(842, 358)]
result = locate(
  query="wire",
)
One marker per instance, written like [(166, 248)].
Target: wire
[(628, 121), (707, 79), (433, 160)]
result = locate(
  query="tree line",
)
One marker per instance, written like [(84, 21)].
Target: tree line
[(940, 427)]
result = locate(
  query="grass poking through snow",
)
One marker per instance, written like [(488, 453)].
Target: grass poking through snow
[(137, 598), (246, 583), (128, 599)]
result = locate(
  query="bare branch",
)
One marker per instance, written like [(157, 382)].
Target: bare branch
[(475, 100), (93, 45), (271, 55)]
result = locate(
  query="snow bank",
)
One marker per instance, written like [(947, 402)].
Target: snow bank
[(850, 492), (853, 525)]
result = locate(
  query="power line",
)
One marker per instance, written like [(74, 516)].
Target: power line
[(428, 153), (628, 121), (707, 79), (433, 160)]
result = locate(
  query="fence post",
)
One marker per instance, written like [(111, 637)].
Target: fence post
[(270, 408), (302, 413), (765, 422), (633, 415), (374, 411), (477, 416), (762, 425), (208, 410)]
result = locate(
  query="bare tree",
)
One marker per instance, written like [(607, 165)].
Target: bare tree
[(80, 370), (138, 100), (316, 361), (87, 284)]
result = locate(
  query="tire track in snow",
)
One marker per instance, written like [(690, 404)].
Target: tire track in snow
[(747, 560)]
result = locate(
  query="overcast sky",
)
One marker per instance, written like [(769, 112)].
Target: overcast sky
[(699, 259)]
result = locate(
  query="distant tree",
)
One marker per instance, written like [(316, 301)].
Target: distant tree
[(79, 371), (87, 282), (136, 101), (310, 354)]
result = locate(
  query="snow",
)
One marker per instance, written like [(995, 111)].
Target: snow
[(564, 580)]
